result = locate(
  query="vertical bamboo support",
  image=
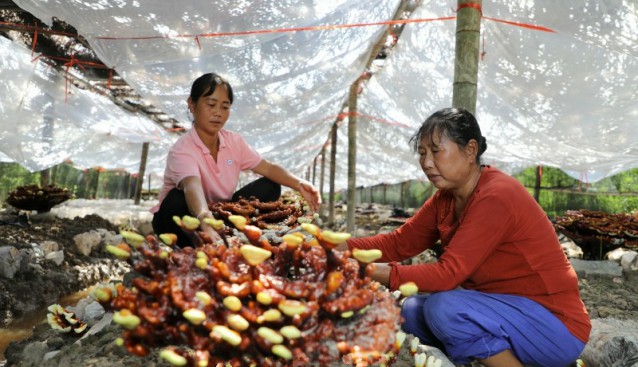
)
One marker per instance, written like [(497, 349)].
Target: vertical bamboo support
[(352, 154), (468, 32), (128, 185), (54, 174), (537, 185), (45, 177), (47, 138), (96, 189), (404, 193), (314, 170), (333, 161), (322, 171), (141, 172), (86, 184), (385, 198), (352, 124)]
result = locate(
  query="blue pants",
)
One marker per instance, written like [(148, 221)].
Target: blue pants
[(470, 325)]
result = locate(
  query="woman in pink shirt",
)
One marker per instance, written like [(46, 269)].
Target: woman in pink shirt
[(502, 292), (203, 166)]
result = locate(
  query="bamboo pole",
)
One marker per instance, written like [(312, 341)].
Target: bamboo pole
[(45, 177), (352, 154), (128, 185), (352, 128), (385, 198), (141, 172), (468, 32), (333, 160), (96, 189), (537, 184), (322, 172), (314, 170), (54, 174)]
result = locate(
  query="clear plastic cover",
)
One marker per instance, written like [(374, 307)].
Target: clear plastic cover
[(565, 95)]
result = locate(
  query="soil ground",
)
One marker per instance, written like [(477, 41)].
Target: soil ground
[(24, 298)]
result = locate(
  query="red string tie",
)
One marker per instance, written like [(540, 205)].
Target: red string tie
[(470, 5)]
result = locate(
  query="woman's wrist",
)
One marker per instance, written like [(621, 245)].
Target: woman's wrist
[(204, 213)]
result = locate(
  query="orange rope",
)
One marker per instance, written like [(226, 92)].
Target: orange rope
[(341, 116), (35, 41), (523, 25), (284, 30)]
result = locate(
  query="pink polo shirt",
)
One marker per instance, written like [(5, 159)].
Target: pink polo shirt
[(190, 157)]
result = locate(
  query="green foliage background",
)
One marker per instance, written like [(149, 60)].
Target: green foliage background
[(559, 192), (87, 184)]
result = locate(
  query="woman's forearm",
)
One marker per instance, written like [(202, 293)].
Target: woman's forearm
[(194, 194)]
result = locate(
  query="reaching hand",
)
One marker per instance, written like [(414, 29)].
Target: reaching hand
[(310, 194), (214, 235)]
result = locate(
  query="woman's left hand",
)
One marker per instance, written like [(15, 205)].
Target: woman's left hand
[(310, 194), (381, 273)]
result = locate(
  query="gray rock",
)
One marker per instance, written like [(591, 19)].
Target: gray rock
[(79, 308), (26, 259), (571, 250), (629, 264), (88, 310), (586, 268), (86, 242), (56, 256), (612, 343), (93, 312), (50, 355), (33, 354), (9, 261), (37, 251), (49, 247), (615, 254), (111, 238)]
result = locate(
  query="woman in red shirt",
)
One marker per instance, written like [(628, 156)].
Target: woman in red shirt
[(203, 166), (503, 291)]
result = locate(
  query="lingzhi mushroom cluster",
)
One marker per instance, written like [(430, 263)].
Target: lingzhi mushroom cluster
[(252, 301)]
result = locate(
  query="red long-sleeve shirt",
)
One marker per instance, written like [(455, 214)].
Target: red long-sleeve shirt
[(503, 242)]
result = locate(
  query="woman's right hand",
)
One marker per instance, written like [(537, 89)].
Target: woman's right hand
[(310, 194), (215, 237)]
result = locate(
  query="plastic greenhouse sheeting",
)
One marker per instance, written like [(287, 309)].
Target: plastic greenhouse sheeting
[(41, 126), (557, 84), (566, 99)]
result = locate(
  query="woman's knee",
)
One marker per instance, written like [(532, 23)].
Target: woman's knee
[(412, 313), (442, 307), (175, 201), (269, 190), (412, 308)]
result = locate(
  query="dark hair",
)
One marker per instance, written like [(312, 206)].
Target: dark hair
[(457, 124), (205, 86)]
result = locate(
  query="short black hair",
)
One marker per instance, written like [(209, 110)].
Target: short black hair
[(457, 124), (205, 86)]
